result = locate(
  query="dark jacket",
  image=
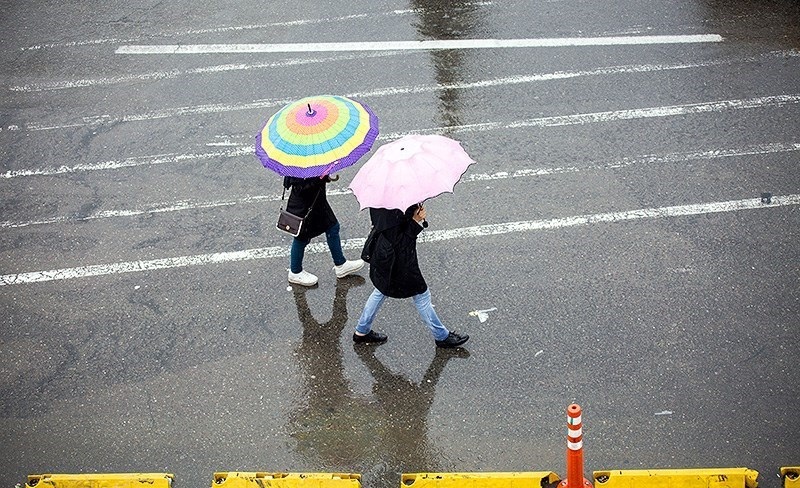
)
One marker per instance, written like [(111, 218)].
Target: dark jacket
[(394, 269), (304, 192)]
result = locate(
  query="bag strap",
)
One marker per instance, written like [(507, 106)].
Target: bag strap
[(283, 197), (312, 204)]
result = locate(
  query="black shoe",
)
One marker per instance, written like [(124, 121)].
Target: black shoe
[(453, 340), (371, 338)]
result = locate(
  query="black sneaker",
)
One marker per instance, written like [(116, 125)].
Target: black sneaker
[(453, 340), (372, 337)]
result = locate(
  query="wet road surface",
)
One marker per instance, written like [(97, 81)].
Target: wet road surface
[(613, 221)]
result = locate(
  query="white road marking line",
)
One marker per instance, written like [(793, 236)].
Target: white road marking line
[(558, 75), (132, 162), (175, 73), (552, 121), (429, 236), (646, 159), (153, 210), (617, 115), (645, 213), (262, 104), (238, 28), (416, 45), (468, 178)]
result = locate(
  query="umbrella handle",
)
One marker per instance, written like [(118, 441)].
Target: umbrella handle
[(328, 170), (424, 222)]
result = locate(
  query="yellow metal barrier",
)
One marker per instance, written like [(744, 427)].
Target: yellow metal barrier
[(677, 478), (234, 479), (791, 477), (532, 479), (110, 480)]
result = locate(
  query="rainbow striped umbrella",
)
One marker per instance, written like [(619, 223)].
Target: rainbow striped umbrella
[(315, 136)]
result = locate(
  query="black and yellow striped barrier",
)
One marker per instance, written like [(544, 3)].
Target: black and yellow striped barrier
[(113, 480), (674, 478)]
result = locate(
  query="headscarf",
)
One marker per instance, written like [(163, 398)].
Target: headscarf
[(386, 218)]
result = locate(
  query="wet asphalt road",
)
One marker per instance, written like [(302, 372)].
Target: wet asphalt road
[(677, 334)]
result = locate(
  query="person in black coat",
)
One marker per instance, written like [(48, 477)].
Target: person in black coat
[(309, 193), (394, 270)]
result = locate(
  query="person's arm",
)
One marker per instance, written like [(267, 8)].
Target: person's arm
[(413, 225)]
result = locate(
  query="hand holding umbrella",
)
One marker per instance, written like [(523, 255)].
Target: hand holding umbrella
[(420, 216)]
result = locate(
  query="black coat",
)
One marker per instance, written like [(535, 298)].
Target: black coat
[(303, 195), (393, 268)]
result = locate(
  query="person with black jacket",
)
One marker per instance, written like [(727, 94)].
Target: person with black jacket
[(394, 271), (309, 194)]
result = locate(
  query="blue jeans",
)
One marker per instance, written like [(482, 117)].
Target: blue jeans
[(421, 301), (334, 244)]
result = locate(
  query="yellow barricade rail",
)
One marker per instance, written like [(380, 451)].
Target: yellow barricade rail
[(116, 480), (650, 478), (677, 478), (523, 479), (235, 479), (791, 476)]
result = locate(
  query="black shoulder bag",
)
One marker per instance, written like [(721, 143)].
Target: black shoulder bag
[(289, 222), (369, 245)]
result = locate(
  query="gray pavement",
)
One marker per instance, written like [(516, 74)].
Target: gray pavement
[(668, 311)]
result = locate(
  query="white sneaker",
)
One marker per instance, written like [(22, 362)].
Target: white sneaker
[(348, 268), (303, 278)]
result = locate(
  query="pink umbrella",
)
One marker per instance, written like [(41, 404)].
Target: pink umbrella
[(410, 170)]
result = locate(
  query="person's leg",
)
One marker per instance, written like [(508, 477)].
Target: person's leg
[(428, 315), (296, 274), (341, 266), (296, 255), (335, 244), (371, 308)]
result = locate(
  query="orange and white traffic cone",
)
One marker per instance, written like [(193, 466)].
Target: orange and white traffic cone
[(575, 477)]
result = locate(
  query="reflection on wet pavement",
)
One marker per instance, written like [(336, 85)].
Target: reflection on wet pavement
[(774, 23), (337, 429), (441, 21)]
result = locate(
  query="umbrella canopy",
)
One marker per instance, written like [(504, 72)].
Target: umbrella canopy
[(410, 170), (315, 136)]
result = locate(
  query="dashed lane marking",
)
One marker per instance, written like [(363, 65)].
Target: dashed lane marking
[(371, 17), (183, 205), (429, 236), (550, 121)]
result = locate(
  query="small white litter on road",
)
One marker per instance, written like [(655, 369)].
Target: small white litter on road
[(482, 315)]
